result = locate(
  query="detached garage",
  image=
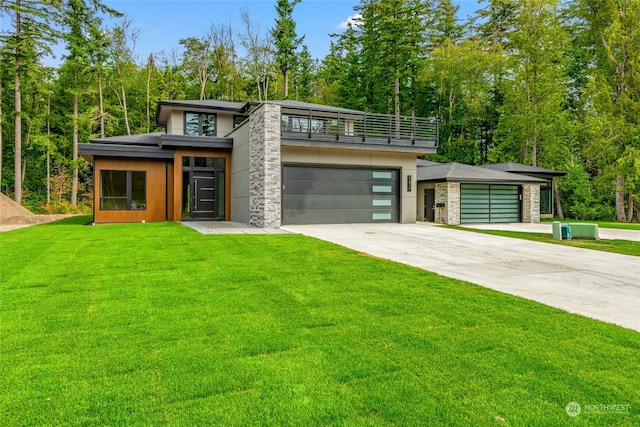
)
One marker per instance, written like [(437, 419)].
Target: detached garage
[(455, 193), (489, 203), (315, 194)]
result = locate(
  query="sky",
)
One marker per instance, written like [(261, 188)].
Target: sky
[(162, 23)]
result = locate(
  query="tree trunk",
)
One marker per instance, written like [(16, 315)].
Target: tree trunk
[(49, 150), (556, 196), (17, 195), (630, 211), (620, 213), (286, 84), (101, 102), (74, 182), (124, 109), (149, 65), (0, 134), (18, 138)]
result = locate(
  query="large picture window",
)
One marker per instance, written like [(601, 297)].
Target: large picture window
[(200, 124), (123, 190)]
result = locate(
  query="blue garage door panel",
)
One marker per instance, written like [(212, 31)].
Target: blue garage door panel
[(489, 203), (330, 195)]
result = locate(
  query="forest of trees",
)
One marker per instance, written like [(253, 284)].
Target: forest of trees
[(547, 83)]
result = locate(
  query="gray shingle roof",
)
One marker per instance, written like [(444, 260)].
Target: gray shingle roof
[(207, 103), (524, 169), (423, 162), (141, 139), (458, 172)]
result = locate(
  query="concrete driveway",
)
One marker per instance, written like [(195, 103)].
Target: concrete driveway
[(595, 284)]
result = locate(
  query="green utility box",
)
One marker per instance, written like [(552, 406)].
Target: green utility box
[(566, 232), (584, 231)]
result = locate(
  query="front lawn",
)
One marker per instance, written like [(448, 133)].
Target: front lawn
[(155, 324)]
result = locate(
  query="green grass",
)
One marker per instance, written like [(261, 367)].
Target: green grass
[(625, 247), (155, 324), (602, 224)]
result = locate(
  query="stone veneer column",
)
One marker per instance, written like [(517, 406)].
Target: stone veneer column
[(531, 203), (440, 214), (264, 167), (449, 194), (453, 211)]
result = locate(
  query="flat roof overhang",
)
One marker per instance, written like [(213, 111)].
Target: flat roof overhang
[(89, 151), (188, 141)]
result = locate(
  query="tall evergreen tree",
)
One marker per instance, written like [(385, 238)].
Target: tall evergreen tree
[(32, 35), (286, 40), (81, 20), (392, 36)]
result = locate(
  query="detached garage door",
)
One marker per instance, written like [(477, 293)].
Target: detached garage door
[(326, 195), (489, 203)]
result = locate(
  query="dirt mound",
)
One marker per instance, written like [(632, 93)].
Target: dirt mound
[(13, 215)]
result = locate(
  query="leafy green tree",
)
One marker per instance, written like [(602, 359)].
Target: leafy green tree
[(459, 76), (534, 125), (286, 40), (258, 61), (612, 97)]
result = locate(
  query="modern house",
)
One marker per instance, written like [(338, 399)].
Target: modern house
[(454, 193), (263, 163), (547, 199)]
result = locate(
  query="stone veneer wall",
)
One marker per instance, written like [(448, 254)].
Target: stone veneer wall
[(265, 171), (449, 194), (531, 203), (453, 211)]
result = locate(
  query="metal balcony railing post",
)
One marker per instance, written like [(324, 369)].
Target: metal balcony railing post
[(364, 128)]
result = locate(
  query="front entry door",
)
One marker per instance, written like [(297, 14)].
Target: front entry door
[(203, 188), (429, 204), (204, 195)]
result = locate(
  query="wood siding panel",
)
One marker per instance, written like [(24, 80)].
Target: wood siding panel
[(157, 202)]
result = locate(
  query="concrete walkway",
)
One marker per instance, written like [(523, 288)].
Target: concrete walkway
[(546, 227), (229, 227), (600, 285)]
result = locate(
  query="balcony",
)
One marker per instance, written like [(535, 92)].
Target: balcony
[(358, 130)]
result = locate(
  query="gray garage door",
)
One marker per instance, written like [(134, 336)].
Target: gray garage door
[(328, 195), (489, 203)]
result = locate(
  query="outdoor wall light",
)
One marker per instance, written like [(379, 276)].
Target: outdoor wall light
[(408, 183)]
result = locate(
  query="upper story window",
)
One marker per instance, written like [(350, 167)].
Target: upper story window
[(200, 124)]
